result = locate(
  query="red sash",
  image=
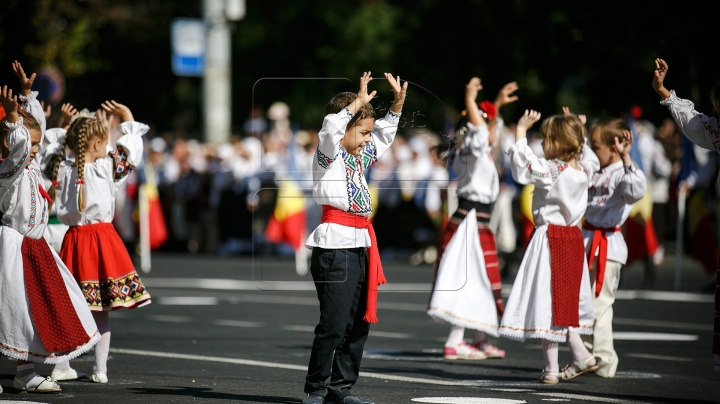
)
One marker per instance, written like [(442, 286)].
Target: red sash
[(375, 276), (599, 239), (567, 260)]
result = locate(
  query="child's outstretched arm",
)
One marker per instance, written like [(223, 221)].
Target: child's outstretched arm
[(526, 167), (28, 98), (661, 69), (471, 92), (129, 151), (633, 183), (505, 95), (17, 139), (526, 122), (68, 111), (385, 128)]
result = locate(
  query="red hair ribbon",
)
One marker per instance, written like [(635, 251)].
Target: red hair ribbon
[(80, 182), (2, 113), (489, 109), (55, 183)]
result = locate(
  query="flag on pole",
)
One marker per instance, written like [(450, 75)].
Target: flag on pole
[(288, 222)]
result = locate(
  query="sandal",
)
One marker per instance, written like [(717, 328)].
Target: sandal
[(491, 351), (546, 374), (577, 368), (48, 385), (463, 351)]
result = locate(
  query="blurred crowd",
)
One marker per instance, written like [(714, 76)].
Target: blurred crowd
[(220, 198)]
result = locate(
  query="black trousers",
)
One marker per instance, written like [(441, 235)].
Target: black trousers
[(340, 336)]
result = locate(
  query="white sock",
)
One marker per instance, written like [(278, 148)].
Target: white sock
[(550, 350), (63, 366), (577, 347), (102, 349), (26, 372), (478, 336), (456, 337)]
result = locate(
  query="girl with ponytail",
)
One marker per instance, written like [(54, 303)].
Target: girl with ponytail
[(84, 184)]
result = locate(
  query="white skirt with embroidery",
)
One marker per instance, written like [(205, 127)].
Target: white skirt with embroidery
[(528, 313), (462, 295)]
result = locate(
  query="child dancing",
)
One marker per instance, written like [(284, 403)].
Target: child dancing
[(43, 315), (613, 191), (704, 131), (345, 262), (85, 186), (466, 292), (551, 298)]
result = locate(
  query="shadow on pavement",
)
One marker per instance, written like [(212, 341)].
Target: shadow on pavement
[(200, 392)]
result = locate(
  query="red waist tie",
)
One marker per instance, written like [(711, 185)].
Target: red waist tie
[(599, 239), (375, 276)]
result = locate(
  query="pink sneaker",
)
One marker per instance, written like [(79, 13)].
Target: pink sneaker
[(463, 352), (491, 351)]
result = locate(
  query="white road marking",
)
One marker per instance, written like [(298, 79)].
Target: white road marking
[(662, 324), (513, 390), (631, 374), (236, 323), (401, 358), (556, 399), (22, 402), (652, 336), (171, 319), (663, 296), (304, 328), (659, 357), (303, 368), (466, 400), (188, 301), (588, 398)]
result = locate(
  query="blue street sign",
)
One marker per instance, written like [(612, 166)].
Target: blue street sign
[(188, 46)]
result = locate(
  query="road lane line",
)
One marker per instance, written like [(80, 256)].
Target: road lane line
[(381, 334), (370, 375), (652, 336), (236, 323), (589, 398), (659, 357), (171, 319), (188, 301)]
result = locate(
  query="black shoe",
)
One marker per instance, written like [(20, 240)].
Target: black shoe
[(354, 400), (311, 399)]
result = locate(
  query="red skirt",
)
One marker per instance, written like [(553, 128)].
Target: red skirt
[(102, 267)]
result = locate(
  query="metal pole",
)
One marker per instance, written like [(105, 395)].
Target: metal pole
[(679, 237), (216, 77)]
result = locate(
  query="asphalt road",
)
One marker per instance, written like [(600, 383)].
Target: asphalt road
[(212, 336)]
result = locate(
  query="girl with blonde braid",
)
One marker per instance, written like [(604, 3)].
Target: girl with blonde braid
[(85, 187)]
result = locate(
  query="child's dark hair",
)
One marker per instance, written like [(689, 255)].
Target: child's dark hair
[(78, 135), (610, 129), (342, 100), (28, 121)]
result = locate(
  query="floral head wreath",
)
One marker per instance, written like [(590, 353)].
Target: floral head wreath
[(2, 113), (488, 109), (85, 113)]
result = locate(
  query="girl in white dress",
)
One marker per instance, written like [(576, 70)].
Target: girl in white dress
[(551, 298), (43, 314), (92, 249), (466, 291)]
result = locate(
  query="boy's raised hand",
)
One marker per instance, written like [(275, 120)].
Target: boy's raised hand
[(115, 108), (505, 96), (399, 91), (363, 95), (25, 82), (68, 111), (661, 69), (10, 104), (623, 148), (472, 89)]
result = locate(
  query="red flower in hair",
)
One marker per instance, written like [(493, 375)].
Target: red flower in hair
[(636, 111), (2, 113), (489, 109)]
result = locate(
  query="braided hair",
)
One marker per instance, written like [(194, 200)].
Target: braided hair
[(77, 138)]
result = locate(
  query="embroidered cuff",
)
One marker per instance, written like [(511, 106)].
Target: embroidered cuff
[(13, 126), (392, 117), (29, 98), (630, 169), (672, 99), (134, 128), (345, 113)]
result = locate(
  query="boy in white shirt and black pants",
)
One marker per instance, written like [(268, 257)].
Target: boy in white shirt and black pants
[(613, 191), (345, 262)]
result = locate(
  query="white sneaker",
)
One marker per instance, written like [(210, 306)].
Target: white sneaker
[(99, 377), (67, 374)]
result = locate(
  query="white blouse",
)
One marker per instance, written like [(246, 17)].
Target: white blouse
[(339, 180), (475, 167), (103, 178), (561, 192), (613, 191), (21, 202), (701, 129)]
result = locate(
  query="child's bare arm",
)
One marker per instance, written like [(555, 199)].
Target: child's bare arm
[(68, 111), (623, 148), (17, 139), (399, 91), (471, 92), (661, 69), (526, 122), (363, 97), (10, 104), (115, 108), (505, 96), (25, 82)]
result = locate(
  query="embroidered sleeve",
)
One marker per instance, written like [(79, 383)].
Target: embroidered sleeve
[(383, 135), (526, 167), (121, 166), (699, 128), (18, 141), (330, 135), (31, 104), (50, 147), (632, 184), (129, 151)]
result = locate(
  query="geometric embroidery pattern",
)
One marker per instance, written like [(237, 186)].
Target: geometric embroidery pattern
[(127, 291), (120, 163), (24, 156), (323, 160), (358, 194)]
